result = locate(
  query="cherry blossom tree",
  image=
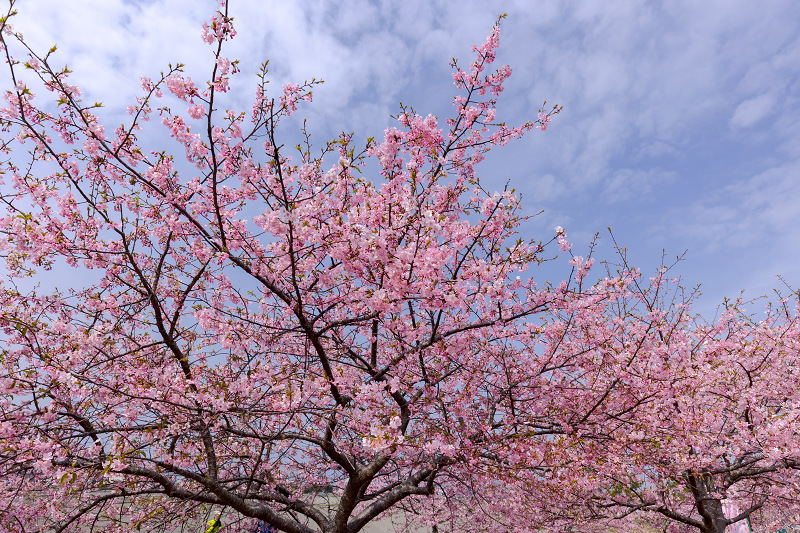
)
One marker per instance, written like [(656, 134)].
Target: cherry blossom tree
[(315, 337), (715, 444), (265, 331), (726, 451)]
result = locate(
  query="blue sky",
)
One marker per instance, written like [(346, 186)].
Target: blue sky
[(680, 126)]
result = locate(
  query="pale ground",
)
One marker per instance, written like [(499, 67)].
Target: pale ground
[(378, 526)]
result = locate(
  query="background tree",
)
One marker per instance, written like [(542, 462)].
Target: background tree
[(716, 443)]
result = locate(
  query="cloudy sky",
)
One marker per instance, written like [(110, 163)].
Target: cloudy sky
[(680, 126)]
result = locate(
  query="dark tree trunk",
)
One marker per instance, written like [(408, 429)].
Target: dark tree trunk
[(709, 507), (716, 521)]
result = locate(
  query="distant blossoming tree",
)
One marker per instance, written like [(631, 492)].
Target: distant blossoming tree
[(726, 450), (287, 339), (713, 443)]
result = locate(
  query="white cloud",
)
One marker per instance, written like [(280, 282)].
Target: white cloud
[(753, 110), (636, 184), (761, 210)]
